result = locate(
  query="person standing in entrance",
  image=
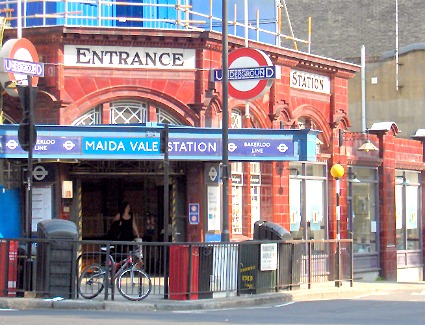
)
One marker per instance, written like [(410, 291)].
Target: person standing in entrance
[(123, 228), (126, 224)]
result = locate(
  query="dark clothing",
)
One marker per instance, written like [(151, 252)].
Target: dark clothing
[(127, 233), (121, 230)]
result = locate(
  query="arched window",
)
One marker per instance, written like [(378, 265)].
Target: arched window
[(162, 116), (6, 119), (126, 112), (129, 112), (94, 116), (236, 119)]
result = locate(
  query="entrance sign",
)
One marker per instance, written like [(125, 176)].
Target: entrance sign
[(20, 59), (129, 57), (251, 73)]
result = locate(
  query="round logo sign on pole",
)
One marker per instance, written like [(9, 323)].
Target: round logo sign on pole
[(250, 73), (19, 55)]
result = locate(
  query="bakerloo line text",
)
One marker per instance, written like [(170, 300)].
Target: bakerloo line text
[(147, 146), (42, 144)]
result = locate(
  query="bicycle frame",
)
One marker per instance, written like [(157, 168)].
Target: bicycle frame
[(119, 267)]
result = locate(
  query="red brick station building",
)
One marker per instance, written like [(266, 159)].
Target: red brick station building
[(107, 89)]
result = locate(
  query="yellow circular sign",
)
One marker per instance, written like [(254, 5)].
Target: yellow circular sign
[(337, 171)]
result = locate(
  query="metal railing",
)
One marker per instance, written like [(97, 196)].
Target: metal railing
[(178, 271), (265, 26)]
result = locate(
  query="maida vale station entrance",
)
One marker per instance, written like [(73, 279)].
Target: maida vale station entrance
[(91, 170)]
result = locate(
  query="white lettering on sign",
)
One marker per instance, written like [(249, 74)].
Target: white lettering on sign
[(257, 144), (191, 146), (310, 81), (120, 146), (257, 147), (143, 146), (109, 56), (105, 145), (46, 141), (24, 67)]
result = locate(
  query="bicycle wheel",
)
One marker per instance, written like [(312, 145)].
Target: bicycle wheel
[(91, 281), (134, 284)]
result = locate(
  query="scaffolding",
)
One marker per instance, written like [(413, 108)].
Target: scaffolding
[(266, 26)]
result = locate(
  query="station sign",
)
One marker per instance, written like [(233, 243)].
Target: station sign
[(250, 74), (195, 144), (247, 73), (45, 145)]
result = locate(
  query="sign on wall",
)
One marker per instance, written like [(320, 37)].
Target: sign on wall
[(310, 81), (194, 213), (129, 57)]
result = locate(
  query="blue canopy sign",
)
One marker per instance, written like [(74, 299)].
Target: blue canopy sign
[(143, 142)]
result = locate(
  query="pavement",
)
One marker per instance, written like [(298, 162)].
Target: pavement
[(318, 291)]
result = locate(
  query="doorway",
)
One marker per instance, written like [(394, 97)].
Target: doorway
[(101, 198)]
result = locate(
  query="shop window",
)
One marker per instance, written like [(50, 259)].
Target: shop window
[(408, 225), (362, 201), (126, 112), (237, 207), (255, 193), (307, 188), (93, 116)]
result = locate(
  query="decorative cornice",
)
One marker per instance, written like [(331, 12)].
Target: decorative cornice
[(410, 165)]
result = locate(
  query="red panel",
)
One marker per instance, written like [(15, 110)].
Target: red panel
[(179, 273), (13, 268)]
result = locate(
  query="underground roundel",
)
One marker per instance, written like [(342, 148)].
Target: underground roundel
[(251, 73)]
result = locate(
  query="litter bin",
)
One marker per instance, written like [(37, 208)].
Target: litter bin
[(56, 258), (264, 230), (248, 267), (289, 264)]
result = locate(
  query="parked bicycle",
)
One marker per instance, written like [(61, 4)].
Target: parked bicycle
[(128, 275)]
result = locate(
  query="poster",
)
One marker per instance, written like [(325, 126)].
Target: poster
[(41, 205), (314, 208), (295, 204), (213, 193), (398, 207), (411, 207)]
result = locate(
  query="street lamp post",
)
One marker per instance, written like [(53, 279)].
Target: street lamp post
[(337, 171), (27, 138), (225, 236)]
